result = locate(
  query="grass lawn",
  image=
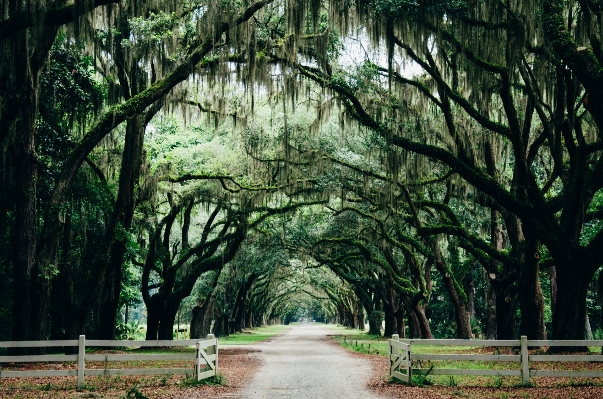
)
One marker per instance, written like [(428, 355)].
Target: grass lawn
[(253, 335)]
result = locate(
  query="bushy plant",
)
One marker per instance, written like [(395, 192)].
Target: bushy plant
[(127, 331)]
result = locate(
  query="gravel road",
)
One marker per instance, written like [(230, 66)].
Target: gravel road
[(302, 364)]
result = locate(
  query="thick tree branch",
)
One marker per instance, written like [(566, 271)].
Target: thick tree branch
[(50, 17)]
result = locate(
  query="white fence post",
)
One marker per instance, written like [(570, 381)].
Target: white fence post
[(395, 337), (408, 364), (525, 366), (213, 352), (80, 361), (198, 361)]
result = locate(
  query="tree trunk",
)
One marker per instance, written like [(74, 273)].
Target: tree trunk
[(390, 320), (197, 319), (491, 323), (75, 328), (238, 313), (375, 318), (202, 318), (32, 274), (423, 323), (570, 310), (469, 286), (463, 322), (122, 219), (531, 300), (168, 317), (588, 332), (25, 319), (553, 284), (400, 322), (359, 315), (154, 310), (414, 328), (505, 312)]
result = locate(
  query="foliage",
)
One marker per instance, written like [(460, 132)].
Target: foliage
[(134, 393), (271, 164), (217, 379), (128, 331)]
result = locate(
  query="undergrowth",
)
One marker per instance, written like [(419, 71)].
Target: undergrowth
[(217, 379)]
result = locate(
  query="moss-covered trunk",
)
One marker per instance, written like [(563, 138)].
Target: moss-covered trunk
[(531, 299)]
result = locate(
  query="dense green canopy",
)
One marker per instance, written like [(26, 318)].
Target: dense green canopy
[(435, 165)]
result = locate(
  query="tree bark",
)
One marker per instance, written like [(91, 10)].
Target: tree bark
[(375, 317), (390, 319), (167, 318), (25, 319), (463, 322), (531, 300), (570, 310), (122, 220), (505, 311), (154, 310), (400, 322), (491, 324), (553, 284), (203, 315), (359, 315), (423, 323)]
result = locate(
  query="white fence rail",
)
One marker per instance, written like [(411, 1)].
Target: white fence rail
[(401, 358), (204, 362)]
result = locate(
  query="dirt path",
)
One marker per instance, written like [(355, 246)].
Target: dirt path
[(302, 364)]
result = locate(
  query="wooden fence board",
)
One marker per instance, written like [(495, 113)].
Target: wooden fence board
[(156, 343), (206, 374), (567, 373), (466, 372), (97, 372), (38, 373), (453, 357), (565, 342), (566, 358), (399, 375), (141, 357), (38, 358), (461, 342), (38, 344)]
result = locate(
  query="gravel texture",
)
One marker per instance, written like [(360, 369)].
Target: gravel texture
[(303, 364)]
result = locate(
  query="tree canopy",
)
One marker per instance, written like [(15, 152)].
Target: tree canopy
[(435, 165)]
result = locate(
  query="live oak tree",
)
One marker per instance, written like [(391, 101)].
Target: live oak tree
[(496, 104), (518, 78), (29, 30)]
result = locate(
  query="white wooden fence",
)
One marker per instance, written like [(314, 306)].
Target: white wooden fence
[(401, 358), (204, 361)]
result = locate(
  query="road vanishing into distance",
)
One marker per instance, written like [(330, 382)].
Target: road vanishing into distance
[(303, 364)]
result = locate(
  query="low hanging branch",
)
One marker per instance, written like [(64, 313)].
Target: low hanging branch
[(138, 103), (402, 284), (50, 17), (471, 174), (223, 179), (119, 113)]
